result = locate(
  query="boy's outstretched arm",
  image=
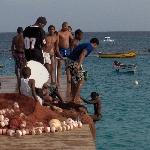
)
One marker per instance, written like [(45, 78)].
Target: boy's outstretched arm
[(89, 102), (84, 100)]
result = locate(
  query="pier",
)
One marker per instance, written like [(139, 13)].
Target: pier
[(77, 139)]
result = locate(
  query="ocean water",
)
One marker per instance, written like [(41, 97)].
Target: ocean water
[(125, 124)]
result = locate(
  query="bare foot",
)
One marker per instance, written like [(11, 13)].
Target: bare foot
[(77, 100)]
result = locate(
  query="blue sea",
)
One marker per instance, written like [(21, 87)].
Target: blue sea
[(125, 124)]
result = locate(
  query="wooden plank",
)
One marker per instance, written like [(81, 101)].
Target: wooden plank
[(77, 139), (8, 84)]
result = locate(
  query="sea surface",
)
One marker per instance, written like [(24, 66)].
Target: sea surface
[(125, 123)]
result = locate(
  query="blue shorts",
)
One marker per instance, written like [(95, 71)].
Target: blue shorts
[(64, 52)]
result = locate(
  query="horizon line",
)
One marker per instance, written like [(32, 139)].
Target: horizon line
[(89, 31)]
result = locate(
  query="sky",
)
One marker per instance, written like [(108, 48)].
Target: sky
[(88, 15)]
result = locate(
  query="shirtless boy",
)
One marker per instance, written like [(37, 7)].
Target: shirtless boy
[(65, 37), (78, 37), (51, 50), (17, 48), (95, 100)]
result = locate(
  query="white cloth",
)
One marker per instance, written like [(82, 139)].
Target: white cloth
[(26, 90), (47, 58)]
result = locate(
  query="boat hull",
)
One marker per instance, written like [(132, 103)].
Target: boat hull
[(117, 55)]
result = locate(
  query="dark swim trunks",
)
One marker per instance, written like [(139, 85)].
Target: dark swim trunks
[(19, 59), (64, 52)]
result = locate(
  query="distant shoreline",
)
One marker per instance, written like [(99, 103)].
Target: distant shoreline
[(90, 32)]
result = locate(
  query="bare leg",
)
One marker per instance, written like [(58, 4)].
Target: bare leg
[(59, 72), (73, 89), (17, 71), (77, 92), (52, 69), (47, 67), (68, 84)]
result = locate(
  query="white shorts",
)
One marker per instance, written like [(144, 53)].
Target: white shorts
[(39, 99), (47, 58)]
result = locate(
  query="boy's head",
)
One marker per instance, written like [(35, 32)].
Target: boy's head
[(94, 42), (94, 95), (65, 26), (69, 28), (45, 86), (19, 30), (51, 29), (41, 21), (26, 72), (79, 34)]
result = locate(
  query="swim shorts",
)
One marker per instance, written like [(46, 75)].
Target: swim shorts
[(47, 58), (77, 75), (64, 52)]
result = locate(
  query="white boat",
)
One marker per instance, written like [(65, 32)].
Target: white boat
[(108, 39)]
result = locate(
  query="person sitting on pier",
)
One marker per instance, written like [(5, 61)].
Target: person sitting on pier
[(53, 99), (95, 100), (27, 86), (51, 93)]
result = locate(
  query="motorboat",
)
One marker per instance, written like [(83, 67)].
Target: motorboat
[(1, 65), (117, 55), (121, 67), (108, 39)]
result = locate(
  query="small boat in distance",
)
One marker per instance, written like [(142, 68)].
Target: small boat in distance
[(1, 66), (108, 39), (128, 54), (120, 67)]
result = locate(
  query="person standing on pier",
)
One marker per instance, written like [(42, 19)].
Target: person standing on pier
[(17, 48), (78, 37), (65, 38), (75, 42), (51, 50), (34, 40), (74, 66)]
